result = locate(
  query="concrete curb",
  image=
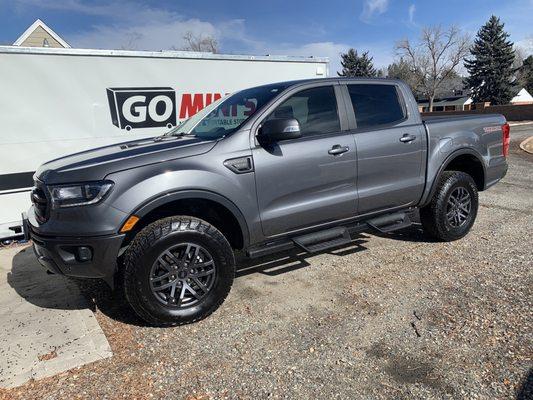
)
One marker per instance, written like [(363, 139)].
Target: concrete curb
[(511, 123), (527, 145)]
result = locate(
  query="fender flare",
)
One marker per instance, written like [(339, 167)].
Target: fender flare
[(447, 161), (165, 198)]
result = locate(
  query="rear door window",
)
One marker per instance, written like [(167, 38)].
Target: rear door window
[(375, 105)]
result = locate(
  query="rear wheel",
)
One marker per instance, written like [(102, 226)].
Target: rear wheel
[(453, 208), (178, 270)]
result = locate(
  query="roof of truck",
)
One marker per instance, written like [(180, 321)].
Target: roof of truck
[(334, 79)]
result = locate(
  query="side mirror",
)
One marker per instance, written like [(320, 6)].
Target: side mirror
[(278, 129)]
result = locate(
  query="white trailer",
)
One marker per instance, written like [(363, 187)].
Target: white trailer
[(55, 102)]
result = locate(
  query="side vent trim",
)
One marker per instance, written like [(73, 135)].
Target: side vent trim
[(240, 165)]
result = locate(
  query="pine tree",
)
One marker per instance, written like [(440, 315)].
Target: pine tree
[(355, 65), (491, 65)]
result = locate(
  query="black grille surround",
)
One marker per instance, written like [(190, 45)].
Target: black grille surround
[(41, 201)]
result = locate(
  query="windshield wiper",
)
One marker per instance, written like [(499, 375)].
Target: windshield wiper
[(175, 134), (172, 135)]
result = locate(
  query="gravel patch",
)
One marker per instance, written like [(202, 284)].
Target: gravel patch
[(395, 316)]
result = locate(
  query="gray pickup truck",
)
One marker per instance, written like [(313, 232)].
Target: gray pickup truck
[(305, 164)]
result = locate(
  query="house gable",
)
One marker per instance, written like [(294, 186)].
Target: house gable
[(522, 97), (40, 35)]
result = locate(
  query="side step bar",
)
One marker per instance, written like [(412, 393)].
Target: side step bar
[(390, 222), (322, 240)]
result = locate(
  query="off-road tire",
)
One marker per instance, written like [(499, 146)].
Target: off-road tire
[(433, 216), (145, 250)]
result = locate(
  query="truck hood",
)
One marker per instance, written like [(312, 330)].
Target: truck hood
[(95, 164)]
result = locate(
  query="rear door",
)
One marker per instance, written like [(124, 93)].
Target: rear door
[(390, 147), (311, 180)]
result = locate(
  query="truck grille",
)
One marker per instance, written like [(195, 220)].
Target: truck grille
[(40, 201)]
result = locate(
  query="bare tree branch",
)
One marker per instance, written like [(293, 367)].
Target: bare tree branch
[(200, 43), (132, 40), (435, 57)]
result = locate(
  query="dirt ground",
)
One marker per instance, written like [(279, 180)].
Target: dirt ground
[(396, 316)]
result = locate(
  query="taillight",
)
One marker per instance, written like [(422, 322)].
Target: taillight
[(506, 138)]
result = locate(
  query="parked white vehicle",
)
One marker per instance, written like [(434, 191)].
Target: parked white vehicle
[(55, 102)]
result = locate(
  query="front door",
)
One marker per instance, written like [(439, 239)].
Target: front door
[(390, 148), (311, 180)]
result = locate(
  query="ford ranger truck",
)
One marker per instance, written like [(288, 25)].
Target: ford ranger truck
[(301, 164)]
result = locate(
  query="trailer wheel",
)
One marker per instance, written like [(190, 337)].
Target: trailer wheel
[(453, 209), (178, 270)]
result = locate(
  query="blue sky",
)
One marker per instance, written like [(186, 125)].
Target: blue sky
[(319, 28)]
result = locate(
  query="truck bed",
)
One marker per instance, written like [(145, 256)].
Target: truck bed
[(462, 118), (479, 135)]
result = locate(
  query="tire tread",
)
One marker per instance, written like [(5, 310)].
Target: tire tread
[(431, 215), (145, 239)]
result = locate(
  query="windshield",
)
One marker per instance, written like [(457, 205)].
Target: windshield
[(226, 115)]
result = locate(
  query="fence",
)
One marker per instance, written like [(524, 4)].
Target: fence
[(523, 112)]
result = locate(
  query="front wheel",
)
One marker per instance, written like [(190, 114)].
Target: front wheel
[(453, 208), (178, 270)]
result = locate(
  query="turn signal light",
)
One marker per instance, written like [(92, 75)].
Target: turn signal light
[(129, 224)]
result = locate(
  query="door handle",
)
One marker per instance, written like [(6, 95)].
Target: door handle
[(338, 150), (407, 138)]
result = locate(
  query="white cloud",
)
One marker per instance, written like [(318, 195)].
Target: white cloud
[(318, 49), (132, 25), (372, 7), (165, 30), (382, 53), (412, 9), (145, 36), (164, 36), (128, 24)]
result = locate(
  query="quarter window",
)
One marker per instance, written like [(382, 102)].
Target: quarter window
[(315, 109), (375, 104)]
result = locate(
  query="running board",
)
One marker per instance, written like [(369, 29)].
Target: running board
[(332, 237), (323, 240), (390, 222)]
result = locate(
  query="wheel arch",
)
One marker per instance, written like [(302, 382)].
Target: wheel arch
[(212, 207), (465, 160)]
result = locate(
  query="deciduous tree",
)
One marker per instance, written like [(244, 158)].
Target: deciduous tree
[(525, 74), (200, 43), (401, 69), (435, 58)]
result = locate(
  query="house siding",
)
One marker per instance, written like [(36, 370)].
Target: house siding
[(36, 38)]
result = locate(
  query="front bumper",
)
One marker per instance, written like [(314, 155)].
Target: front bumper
[(60, 254)]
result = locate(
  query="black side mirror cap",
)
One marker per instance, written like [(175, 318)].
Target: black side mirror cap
[(275, 130)]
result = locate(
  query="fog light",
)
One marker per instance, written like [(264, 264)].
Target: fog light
[(84, 254)]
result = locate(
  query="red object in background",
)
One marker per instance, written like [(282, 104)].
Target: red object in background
[(506, 130)]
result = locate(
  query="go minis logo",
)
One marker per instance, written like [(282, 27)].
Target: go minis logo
[(142, 107)]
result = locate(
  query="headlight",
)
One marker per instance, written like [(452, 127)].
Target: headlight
[(79, 195)]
